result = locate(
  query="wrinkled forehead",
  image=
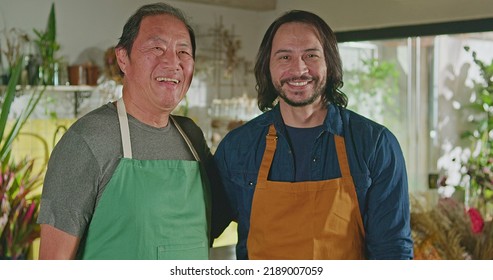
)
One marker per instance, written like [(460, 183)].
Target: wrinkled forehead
[(164, 23)]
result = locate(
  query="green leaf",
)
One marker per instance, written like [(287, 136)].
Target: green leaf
[(51, 26), (10, 95)]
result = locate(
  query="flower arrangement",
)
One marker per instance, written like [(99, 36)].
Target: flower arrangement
[(19, 208), (450, 232)]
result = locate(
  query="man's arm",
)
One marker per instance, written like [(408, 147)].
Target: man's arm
[(221, 209), (56, 244), (388, 227)]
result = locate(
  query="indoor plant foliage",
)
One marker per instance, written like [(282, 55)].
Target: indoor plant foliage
[(478, 168), (470, 169), (19, 209), (463, 229), (19, 201), (15, 40), (375, 83), (47, 44)]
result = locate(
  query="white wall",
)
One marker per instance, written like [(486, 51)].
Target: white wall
[(98, 23), (85, 24)]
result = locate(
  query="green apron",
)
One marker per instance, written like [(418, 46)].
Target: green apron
[(150, 209)]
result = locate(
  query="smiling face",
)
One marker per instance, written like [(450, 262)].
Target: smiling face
[(297, 64), (159, 71)]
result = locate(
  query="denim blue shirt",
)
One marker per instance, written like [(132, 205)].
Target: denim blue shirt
[(376, 163)]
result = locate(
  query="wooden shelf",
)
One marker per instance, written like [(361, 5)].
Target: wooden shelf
[(78, 88), (78, 92)]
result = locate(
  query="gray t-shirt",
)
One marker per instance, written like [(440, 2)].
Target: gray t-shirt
[(83, 162)]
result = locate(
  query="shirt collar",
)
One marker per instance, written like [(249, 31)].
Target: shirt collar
[(333, 120), (332, 124)]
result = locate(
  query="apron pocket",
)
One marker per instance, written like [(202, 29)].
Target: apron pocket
[(184, 251)]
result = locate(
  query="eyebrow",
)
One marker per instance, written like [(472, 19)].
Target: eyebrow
[(289, 51), (157, 39)]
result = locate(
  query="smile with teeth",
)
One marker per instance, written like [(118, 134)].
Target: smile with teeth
[(163, 79), (298, 84)]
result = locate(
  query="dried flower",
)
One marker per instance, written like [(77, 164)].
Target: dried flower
[(449, 231)]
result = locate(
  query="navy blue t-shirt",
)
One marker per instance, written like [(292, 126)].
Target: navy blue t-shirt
[(302, 141)]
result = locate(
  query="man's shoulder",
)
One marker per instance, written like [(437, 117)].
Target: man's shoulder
[(96, 126), (357, 118), (186, 123), (191, 129), (364, 131), (359, 123), (97, 118), (251, 129)]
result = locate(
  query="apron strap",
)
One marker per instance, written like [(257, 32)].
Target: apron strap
[(184, 135), (342, 156), (270, 150), (125, 132)]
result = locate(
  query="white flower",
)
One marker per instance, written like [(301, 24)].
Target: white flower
[(446, 191)]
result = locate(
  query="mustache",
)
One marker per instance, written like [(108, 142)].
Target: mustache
[(298, 79)]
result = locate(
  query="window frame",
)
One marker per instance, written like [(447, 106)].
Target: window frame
[(420, 30)]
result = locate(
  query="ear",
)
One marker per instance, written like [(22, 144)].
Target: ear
[(122, 58)]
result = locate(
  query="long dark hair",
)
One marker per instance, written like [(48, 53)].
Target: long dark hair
[(267, 93), (131, 28)]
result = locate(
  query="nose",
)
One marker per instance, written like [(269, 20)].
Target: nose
[(298, 66), (170, 58)]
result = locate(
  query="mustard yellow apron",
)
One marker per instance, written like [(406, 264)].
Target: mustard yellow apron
[(305, 220)]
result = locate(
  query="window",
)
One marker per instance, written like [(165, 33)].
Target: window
[(417, 87)]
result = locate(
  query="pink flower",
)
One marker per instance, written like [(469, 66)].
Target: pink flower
[(477, 222)]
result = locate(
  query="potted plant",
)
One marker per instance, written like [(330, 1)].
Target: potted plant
[(47, 44)]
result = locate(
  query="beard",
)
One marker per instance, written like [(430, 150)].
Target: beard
[(318, 90)]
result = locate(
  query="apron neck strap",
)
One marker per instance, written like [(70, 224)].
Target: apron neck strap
[(342, 156), (125, 132), (185, 137), (270, 149)]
